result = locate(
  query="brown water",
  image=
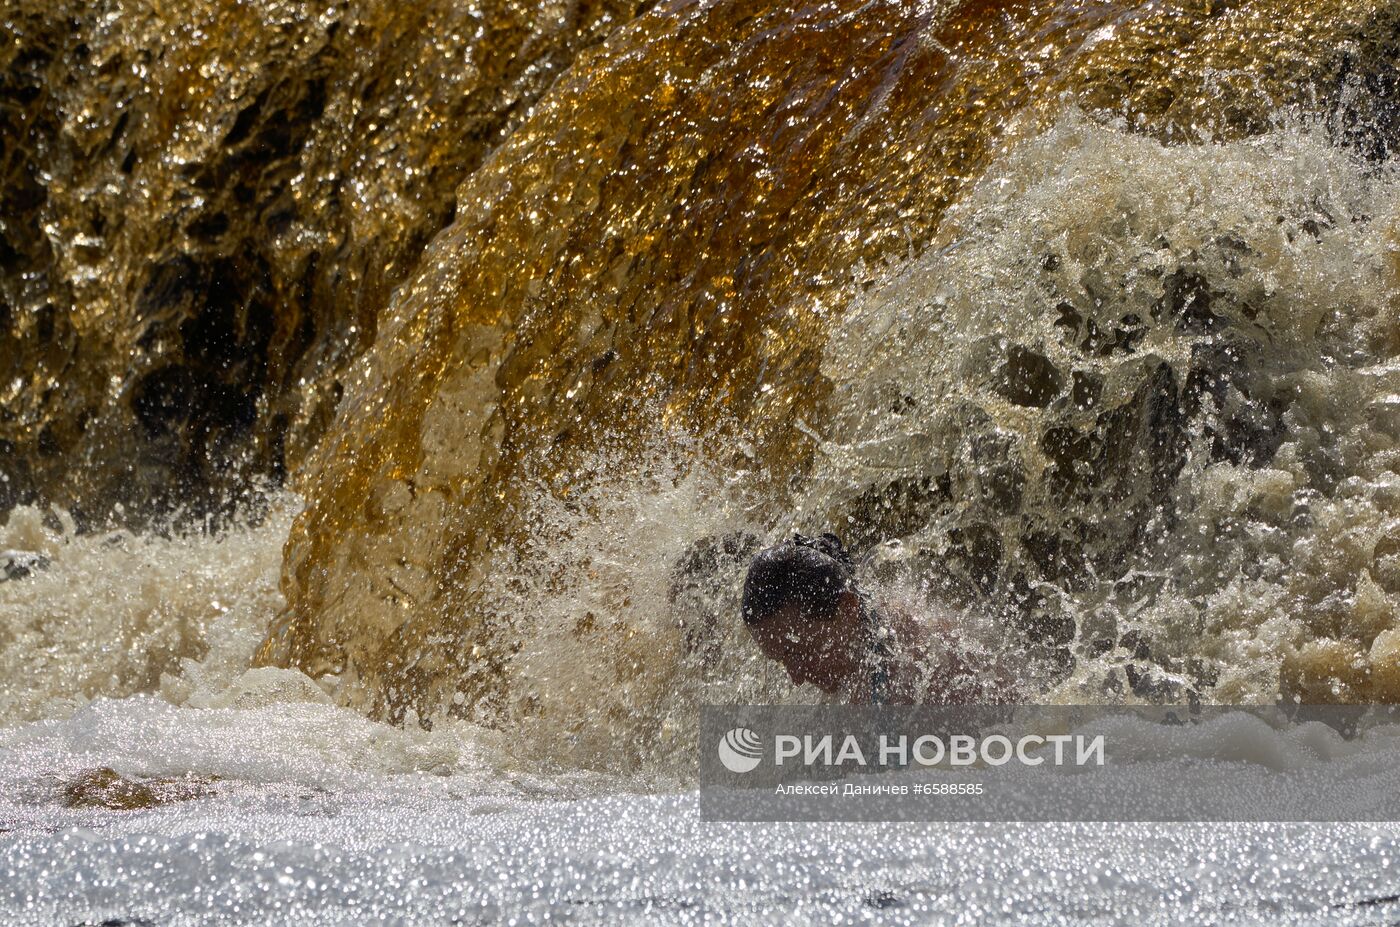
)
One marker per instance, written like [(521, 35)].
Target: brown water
[(1078, 318)]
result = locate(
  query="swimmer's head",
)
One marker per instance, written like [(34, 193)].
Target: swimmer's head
[(802, 609), (808, 574)]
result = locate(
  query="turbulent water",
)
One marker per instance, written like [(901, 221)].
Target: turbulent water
[(690, 277), (1145, 390), (392, 399)]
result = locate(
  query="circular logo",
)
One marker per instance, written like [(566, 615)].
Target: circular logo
[(739, 750)]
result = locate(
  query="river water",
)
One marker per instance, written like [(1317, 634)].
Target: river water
[(394, 394), (265, 802)]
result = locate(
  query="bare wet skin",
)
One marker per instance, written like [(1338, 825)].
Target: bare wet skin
[(827, 654)]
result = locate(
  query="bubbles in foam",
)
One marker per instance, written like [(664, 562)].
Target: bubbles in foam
[(116, 614), (1138, 402), (1129, 415), (1136, 407), (620, 610)]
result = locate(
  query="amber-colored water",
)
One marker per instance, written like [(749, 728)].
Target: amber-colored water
[(670, 240), (1075, 314)]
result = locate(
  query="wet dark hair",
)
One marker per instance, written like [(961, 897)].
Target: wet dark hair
[(808, 572)]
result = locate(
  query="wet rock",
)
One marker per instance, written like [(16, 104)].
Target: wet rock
[(1204, 673), (1139, 586), (974, 555), (1080, 330), (1086, 389), (897, 508), (1097, 632), (992, 470), (105, 788), (1102, 463), (1229, 391), (1041, 619), (1058, 555)]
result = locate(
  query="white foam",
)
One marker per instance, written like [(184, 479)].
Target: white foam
[(119, 614)]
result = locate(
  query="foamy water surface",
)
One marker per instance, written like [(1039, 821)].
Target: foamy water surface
[(568, 796), (289, 809)]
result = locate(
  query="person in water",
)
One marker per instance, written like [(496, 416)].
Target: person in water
[(804, 610)]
